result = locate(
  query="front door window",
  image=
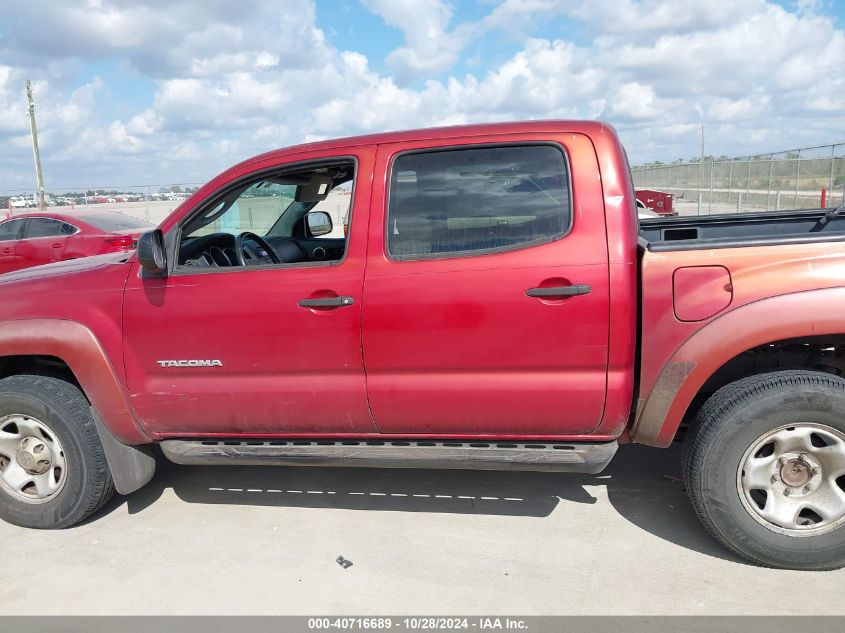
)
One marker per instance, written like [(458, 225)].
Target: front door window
[(273, 221)]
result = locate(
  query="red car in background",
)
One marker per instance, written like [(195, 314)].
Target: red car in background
[(659, 202), (36, 238)]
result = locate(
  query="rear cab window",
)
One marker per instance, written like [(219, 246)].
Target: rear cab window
[(477, 200)]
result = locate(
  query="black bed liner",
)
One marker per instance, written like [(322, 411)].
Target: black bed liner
[(735, 230)]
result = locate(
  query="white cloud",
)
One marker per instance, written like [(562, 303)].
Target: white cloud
[(635, 101), (161, 38), (234, 79), (734, 110), (12, 102), (429, 46)]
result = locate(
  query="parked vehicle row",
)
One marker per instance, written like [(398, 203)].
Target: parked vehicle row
[(31, 202)]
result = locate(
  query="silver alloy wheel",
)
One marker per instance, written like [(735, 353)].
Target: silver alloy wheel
[(792, 479), (32, 460)]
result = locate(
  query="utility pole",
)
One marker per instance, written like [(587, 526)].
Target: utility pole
[(39, 177), (700, 164)]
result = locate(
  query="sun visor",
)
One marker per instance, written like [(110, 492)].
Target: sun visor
[(315, 190)]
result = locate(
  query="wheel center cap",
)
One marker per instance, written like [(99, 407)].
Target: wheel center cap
[(33, 456), (796, 473)]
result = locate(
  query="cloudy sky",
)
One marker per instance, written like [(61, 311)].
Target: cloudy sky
[(167, 91)]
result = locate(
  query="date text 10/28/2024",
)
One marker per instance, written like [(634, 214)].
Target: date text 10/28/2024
[(418, 623)]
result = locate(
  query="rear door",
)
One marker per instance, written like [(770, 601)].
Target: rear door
[(10, 231), (43, 242), (486, 292)]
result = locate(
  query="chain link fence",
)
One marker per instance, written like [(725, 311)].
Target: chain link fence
[(809, 177)]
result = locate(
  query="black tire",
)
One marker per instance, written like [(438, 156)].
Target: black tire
[(728, 424), (63, 408)]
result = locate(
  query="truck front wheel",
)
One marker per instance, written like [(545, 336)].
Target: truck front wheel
[(764, 466), (53, 472)]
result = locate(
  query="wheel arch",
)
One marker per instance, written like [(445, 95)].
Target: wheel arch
[(62, 345), (813, 317)]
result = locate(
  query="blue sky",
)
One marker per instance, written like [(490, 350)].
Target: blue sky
[(166, 91)]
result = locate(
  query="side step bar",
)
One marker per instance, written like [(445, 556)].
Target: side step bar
[(543, 456)]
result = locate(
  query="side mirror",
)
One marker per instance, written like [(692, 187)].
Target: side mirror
[(151, 253), (319, 223)]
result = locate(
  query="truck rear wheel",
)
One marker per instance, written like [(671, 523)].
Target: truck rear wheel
[(53, 472), (764, 466)]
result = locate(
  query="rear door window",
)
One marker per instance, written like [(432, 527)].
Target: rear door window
[(41, 227), (458, 202)]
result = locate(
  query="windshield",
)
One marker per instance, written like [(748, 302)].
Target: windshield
[(269, 207), (256, 208)]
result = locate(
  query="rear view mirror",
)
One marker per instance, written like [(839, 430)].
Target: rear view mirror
[(319, 223), (151, 252)]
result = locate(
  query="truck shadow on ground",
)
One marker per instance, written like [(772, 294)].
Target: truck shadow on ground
[(642, 484)]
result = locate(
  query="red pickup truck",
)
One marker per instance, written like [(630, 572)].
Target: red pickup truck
[(493, 304)]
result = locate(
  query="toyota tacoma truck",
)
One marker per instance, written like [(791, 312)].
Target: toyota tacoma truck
[(480, 297)]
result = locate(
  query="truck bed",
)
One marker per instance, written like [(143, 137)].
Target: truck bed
[(735, 230), (765, 256)]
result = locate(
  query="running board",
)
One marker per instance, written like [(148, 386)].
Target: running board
[(543, 456)]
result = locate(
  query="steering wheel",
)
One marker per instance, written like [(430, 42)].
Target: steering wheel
[(247, 235)]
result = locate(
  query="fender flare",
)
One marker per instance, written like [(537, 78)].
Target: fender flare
[(794, 315), (80, 349)]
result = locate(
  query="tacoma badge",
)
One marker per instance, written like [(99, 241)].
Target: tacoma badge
[(190, 363)]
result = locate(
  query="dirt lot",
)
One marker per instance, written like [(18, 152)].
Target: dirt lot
[(265, 540)]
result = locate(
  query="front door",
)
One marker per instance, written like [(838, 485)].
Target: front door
[(233, 343), (43, 242), (486, 302)]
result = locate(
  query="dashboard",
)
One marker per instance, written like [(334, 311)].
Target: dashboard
[(218, 250)]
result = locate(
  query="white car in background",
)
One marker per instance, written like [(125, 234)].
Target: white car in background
[(644, 213), (21, 202)]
